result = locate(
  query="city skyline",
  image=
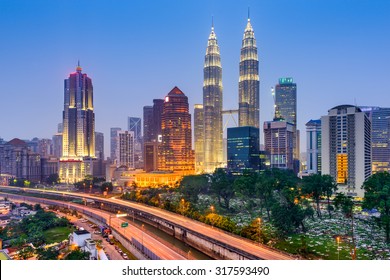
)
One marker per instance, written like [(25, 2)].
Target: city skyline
[(339, 58)]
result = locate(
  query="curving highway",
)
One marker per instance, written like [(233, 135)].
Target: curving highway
[(260, 251)]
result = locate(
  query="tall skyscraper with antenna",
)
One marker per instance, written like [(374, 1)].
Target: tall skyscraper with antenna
[(249, 104), (212, 105), (78, 137)]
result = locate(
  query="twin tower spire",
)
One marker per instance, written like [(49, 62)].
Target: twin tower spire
[(248, 96)]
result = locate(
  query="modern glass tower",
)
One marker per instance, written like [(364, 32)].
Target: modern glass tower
[(379, 117), (199, 137), (286, 107), (248, 86), (212, 105)]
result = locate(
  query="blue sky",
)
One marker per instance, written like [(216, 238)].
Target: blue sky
[(337, 51)]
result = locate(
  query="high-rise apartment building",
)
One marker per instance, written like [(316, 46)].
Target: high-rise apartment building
[(57, 145), (113, 143), (78, 138), (380, 137), (199, 137), (286, 108), (99, 145), (313, 146), (212, 105), (125, 149), (175, 152), (243, 146), (249, 81), (346, 148), (278, 140)]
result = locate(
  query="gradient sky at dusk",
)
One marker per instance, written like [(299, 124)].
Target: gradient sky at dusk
[(337, 51)]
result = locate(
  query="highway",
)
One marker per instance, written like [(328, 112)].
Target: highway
[(260, 251), (160, 249)]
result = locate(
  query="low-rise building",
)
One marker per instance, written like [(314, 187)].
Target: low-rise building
[(83, 240), (4, 221)]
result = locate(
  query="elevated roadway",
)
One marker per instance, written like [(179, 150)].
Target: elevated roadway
[(216, 243)]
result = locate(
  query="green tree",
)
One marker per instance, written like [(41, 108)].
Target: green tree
[(222, 184), (377, 195), (78, 255), (53, 179), (244, 188), (25, 253), (47, 254), (107, 186), (193, 185), (316, 186), (290, 210)]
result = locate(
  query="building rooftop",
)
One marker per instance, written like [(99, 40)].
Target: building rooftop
[(4, 256), (81, 232), (175, 91), (17, 142)]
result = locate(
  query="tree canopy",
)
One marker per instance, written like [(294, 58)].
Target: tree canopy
[(377, 195)]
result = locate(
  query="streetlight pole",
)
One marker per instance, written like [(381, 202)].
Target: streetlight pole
[(338, 247), (182, 206), (259, 220), (212, 216)]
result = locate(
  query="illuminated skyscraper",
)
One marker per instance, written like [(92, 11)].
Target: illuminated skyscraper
[(346, 148), (248, 86), (286, 108), (78, 138), (379, 117), (278, 141), (199, 137), (175, 151), (212, 105)]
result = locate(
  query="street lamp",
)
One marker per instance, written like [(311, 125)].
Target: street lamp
[(259, 220), (338, 247), (182, 206)]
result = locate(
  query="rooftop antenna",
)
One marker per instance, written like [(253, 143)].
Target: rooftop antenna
[(249, 13), (212, 22)]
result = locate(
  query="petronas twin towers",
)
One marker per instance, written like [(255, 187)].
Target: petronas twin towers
[(211, 156)]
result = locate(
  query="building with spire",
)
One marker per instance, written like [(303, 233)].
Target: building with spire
[(249, 82), (175, 152), (212, 106), (78, 137)]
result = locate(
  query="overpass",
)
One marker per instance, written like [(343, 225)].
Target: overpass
[(216, 243)]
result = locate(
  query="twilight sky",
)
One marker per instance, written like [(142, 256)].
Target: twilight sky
[(337, 51)]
